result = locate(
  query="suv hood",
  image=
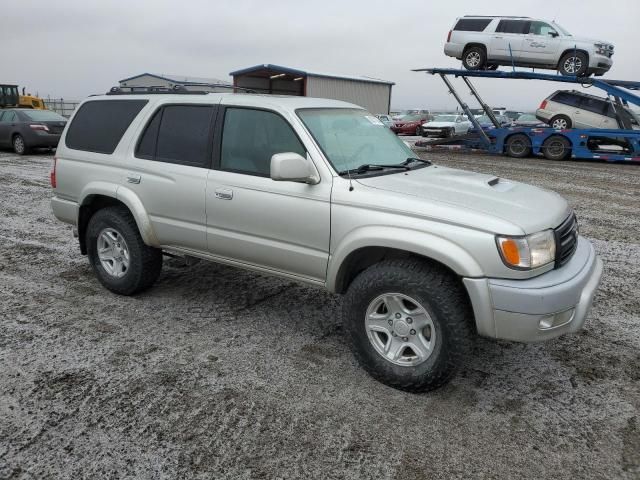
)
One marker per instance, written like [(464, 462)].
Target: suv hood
[(530, 208), (589, 40)]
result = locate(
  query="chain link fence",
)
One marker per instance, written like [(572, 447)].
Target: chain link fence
[(61, 106)]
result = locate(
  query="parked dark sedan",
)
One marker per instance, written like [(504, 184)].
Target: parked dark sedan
[(24, 129), (410, 124)]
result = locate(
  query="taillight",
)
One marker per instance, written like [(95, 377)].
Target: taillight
[(449, 37), (44, 128), (543, 105), (53, 173)]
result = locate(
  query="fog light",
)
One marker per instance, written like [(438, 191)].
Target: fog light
[(556, 320)]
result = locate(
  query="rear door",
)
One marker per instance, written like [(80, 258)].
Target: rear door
[(254, 220), (591, 112), (539, 46), (507, 40), (168, 168)]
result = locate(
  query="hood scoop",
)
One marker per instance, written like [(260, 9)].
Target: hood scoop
[(500, 184)]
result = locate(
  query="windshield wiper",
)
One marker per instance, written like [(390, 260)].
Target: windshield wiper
[(370, 167), (416, 159)]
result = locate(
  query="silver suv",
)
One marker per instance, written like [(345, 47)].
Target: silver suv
[(571, 109), (319, 191), (487, 42)]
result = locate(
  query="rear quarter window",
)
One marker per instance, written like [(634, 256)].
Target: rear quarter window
[(472, 24), (99, 125), (566, 98)]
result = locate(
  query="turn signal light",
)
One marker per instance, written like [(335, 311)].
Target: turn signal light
[(449, 37)]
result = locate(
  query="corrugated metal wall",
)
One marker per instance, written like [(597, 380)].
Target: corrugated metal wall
[(375, 97)]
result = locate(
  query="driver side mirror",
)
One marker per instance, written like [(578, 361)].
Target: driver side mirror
[(554, 34), (293, 167)]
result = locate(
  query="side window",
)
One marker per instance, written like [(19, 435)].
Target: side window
[(9, 117), (513, 26), (251, 137), (1, 115), (566, 98), (540, 28), (593, 105), (472, 24), (147, 145), (100, 124), (184, 135)]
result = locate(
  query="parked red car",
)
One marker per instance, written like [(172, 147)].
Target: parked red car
[(410, 124)]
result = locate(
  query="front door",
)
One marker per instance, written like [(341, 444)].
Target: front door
[(541, 44), (252, 219), (7, 120)]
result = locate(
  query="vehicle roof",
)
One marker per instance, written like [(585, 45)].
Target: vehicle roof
[(289, 102)]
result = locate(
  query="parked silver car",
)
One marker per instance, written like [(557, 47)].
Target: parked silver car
[(487, 42), (572, 109), (319, 191)]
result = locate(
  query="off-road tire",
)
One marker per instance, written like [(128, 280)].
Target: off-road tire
[(563, 122), (518, 146), (145, 262), (19, 145), (440, 293), (556, 147), (584, 67), (477, 53)]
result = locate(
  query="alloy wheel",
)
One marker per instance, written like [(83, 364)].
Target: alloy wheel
[(400, 329)]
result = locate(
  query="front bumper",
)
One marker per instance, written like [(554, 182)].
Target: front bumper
[(540, 308), (38, 139)]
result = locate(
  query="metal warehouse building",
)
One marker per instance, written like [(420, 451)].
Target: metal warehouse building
[(370, 93), (169, 81)]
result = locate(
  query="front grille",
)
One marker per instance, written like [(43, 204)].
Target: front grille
[(566, 240)]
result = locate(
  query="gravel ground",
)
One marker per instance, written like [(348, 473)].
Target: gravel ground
[(222, 373)]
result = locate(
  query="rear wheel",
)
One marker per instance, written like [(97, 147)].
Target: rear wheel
[(474, 58), (518, 146), (19, 145), (556, 147), (574, 64), (409, 323), (560, 122), (119, 257)]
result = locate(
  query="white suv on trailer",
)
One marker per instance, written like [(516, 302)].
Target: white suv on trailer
[(322, 192), (487, 42)]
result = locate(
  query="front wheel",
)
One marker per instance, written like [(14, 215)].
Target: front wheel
[(409, 323), (574, 64), (418, 131), (119, 257)]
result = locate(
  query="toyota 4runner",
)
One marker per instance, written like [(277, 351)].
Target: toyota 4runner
[(318, 190), (487, 42)]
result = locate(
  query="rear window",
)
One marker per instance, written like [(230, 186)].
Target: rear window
[(44, 116), (472, 24), (99, 125)]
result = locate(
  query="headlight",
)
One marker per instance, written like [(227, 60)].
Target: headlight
[(526, 253)]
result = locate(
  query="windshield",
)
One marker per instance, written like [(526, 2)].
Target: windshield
[(560, 29), (526, 117), (352, 137), (411, 118), (44, 116), (444, 118), (483, 119)]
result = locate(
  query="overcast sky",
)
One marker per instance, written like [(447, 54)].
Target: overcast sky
[(70, 49)]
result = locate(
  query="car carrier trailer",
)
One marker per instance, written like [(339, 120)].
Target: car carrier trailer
[(614, 145)]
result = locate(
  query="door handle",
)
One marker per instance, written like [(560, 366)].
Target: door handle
[(224, 193), (497, 37), (133, 178)]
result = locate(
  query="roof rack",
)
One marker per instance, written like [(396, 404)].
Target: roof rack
[(493, 16), (180, 89)]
